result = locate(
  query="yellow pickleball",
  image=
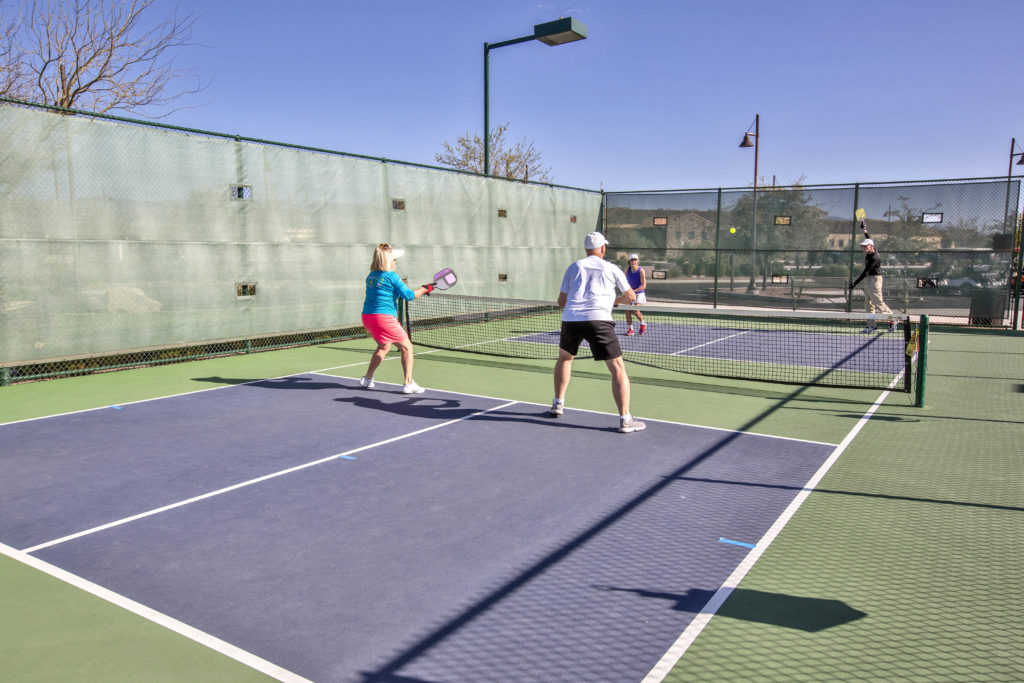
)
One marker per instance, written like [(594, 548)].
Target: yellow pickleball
[(732, 229)]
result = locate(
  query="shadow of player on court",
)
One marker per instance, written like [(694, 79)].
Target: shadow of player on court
[(444, 409), (775, 609)]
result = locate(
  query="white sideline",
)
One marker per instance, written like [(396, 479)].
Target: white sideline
[(181, 628), (257, 480), (689, 635)]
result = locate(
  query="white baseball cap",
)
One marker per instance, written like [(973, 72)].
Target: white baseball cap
[(595, 240), (634, 256), (867, 243), (397, 253)]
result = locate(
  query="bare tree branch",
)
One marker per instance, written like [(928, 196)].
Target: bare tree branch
[(521, 161), (100, 55), (11, 67)]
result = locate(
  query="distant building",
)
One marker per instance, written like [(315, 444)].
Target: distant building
[(667, 229), (687, 229)]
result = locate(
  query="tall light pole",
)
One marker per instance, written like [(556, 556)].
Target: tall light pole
[(1009, 178), (1016, 257), (557, 32), (752, 285)]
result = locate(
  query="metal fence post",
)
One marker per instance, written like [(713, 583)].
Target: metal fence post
[(718, 255), (853, 239)]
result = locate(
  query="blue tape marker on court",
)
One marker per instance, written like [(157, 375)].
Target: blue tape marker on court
[(739, 543)]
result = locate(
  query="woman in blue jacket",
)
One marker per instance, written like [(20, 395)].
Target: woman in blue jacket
[(380, 314)]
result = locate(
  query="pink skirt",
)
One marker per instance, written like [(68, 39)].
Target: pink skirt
[(384, 328)]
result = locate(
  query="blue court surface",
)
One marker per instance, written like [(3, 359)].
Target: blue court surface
[(346, 534)]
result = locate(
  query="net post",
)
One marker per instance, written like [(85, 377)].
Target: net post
[(922, 362), (910, 347)]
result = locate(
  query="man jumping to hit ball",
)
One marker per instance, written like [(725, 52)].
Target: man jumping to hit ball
[(872, 277)]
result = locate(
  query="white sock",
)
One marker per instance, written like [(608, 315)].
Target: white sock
[(625, 418), (558, 400)]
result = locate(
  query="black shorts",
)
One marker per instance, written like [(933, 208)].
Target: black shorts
[(599, 334)]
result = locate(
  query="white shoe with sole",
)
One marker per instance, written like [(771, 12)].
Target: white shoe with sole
[(630, 425), (412, 388), (366, 382)]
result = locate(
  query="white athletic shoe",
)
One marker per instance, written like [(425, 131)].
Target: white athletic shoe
[(557, 408), (412, 388), (630, 425), (869, 329), (366, 382)]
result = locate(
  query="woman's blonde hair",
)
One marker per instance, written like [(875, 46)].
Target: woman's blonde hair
[(383, 258)]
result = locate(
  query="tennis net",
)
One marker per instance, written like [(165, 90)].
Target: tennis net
[(822, 348)]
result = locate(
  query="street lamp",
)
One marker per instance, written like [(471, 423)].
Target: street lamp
[(1009, 178), (557, 32), (1016, 269), (752, 286)]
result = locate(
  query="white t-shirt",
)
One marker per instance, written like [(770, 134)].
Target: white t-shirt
[(590, 286)]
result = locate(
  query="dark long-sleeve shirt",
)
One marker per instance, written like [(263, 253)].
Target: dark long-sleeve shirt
[(872, 266), (872, 262)]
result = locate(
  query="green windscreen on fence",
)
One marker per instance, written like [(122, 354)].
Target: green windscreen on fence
[(118, 236)]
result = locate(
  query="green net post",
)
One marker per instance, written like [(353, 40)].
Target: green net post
[(922, 361)]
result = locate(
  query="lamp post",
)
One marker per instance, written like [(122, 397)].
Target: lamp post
[(1010, 173), (557, 32), (752, 285), (1009, 177), (1016, 252)]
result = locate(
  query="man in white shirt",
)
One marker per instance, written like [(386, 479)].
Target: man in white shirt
[(587, 296)]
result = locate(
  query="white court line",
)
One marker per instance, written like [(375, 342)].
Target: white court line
[(689, 635), (168, 622), (257, 480), (601, 412), (694, 348), (200, 391)]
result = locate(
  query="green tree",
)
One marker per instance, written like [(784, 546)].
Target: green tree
[(798, 240), (904, 228)]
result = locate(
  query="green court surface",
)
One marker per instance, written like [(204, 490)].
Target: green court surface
[(903, 564)]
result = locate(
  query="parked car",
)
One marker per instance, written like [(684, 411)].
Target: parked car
[(961, 285)]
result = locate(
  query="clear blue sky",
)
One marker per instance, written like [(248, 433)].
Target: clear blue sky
[(658, 96)]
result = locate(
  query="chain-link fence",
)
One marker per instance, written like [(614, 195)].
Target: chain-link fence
[(949, 248)]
